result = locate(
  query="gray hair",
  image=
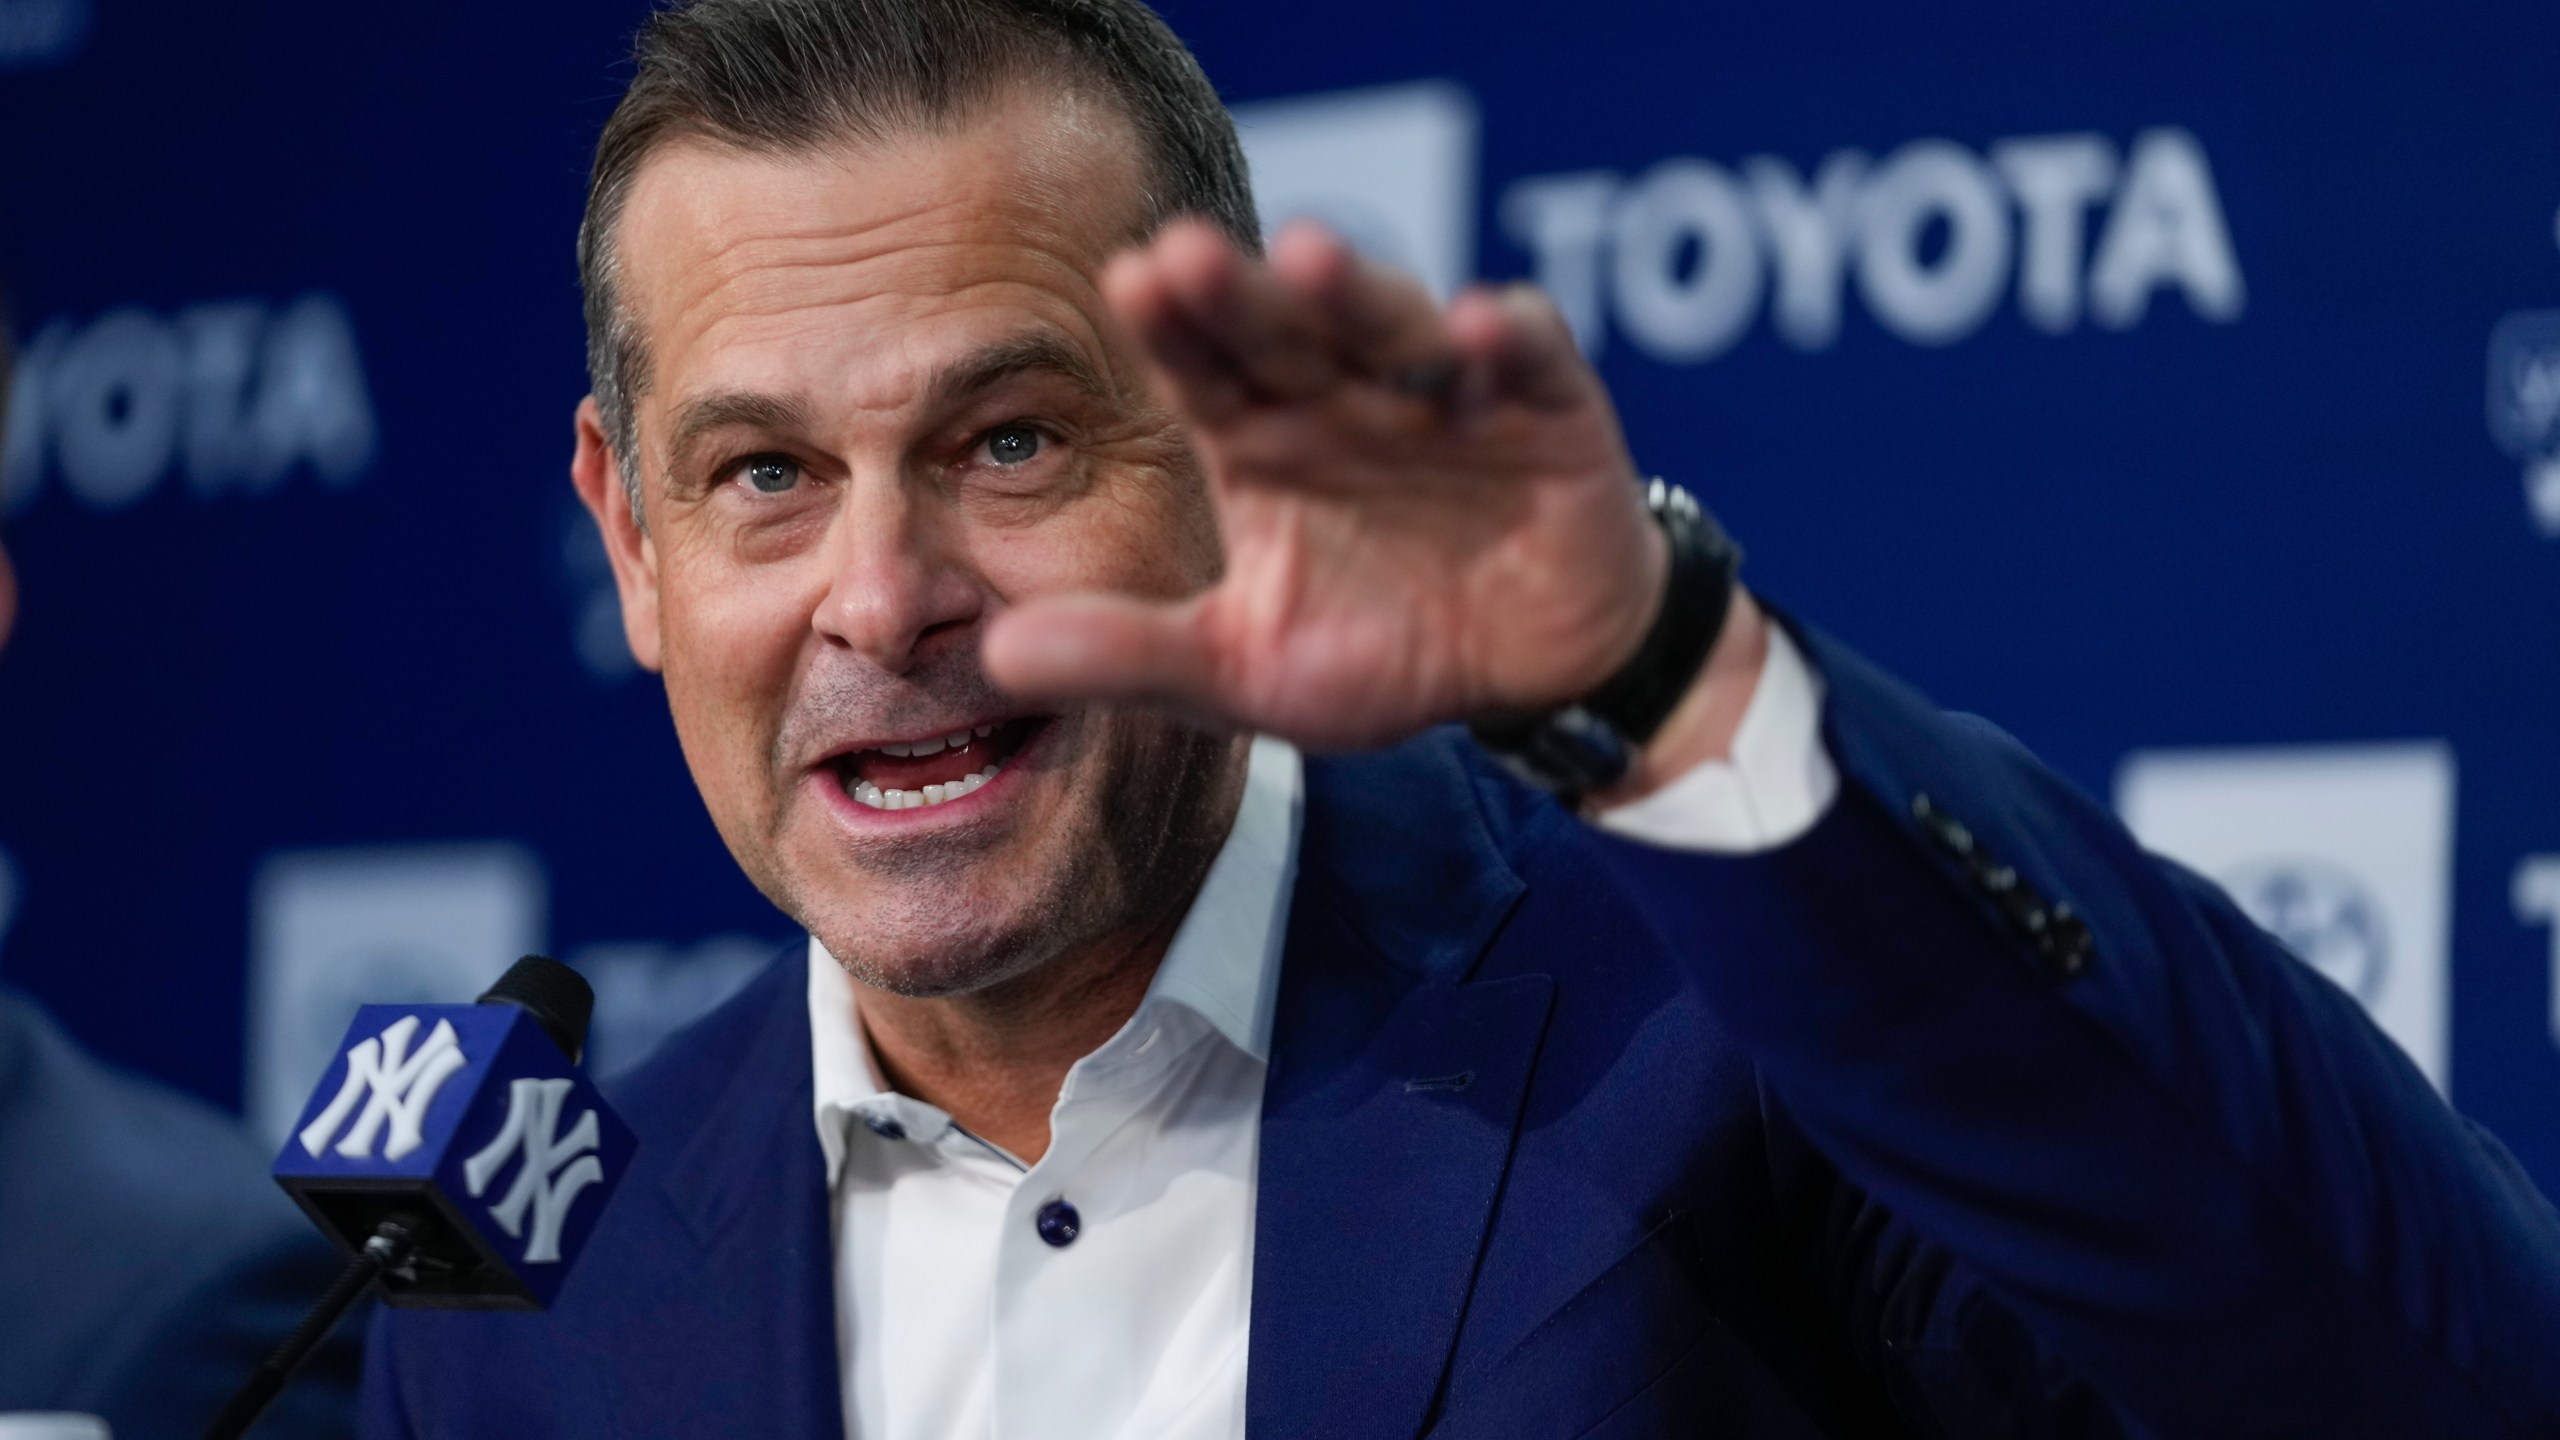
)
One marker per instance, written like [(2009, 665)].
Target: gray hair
[(791, 76)]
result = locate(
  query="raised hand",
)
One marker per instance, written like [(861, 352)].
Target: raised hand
[(1426, 514)]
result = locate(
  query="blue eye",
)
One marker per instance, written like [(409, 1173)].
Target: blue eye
[(1013, 444), (770, 474)]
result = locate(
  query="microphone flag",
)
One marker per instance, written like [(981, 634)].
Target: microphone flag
[(473, 1119)]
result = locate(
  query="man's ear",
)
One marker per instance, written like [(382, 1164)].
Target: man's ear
[(635, 557)]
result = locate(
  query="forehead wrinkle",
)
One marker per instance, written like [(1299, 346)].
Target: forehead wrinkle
[(1034, 214), (1044, 330), (838, 241), (1037, 194), (920, 272)]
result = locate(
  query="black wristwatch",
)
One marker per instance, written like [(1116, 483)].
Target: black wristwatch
[(1588, 744)]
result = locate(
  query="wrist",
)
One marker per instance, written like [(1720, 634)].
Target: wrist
[(1592, 744), (1702, 726), (1624, 639)]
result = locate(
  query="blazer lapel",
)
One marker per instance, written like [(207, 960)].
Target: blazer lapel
[(750, 1189), (1394, 1095)]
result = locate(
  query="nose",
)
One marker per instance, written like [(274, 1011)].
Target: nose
[(897, 578)]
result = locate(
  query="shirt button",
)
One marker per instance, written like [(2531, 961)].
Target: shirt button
[(1059, 1223), (885, 1128)]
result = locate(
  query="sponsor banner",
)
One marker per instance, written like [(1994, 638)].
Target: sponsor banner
[(232, 396), (1929, 239)]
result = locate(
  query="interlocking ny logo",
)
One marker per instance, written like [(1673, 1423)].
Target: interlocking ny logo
[(395, 1086), (533, 1127)]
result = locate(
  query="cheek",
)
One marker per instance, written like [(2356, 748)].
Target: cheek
[(1150, 534), (731, 647)]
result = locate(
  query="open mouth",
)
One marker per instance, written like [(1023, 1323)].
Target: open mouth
[(935, 770)]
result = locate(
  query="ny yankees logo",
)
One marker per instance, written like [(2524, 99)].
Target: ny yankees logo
[(395, 1086), (533, 1127)]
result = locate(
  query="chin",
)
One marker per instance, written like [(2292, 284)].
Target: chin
[(936, 967), (932, 945)]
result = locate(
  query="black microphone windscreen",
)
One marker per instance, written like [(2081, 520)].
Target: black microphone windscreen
[(557, 996)]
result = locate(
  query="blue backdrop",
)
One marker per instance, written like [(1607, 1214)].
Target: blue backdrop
[(2170, 382)]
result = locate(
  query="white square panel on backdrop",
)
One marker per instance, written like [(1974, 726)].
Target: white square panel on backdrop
[(1393, 170), (2344, 853), (330, 930)]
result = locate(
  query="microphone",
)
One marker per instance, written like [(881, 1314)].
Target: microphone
[(456, 1153)]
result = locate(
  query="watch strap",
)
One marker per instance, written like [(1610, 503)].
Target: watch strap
[(1589, 744)]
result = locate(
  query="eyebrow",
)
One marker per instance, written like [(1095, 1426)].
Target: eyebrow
[(1031, 354), (706, 414)]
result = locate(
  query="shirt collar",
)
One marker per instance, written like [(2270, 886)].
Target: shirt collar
[(1223, 964)]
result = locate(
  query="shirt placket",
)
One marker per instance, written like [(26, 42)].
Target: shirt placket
[(1045, 1226)]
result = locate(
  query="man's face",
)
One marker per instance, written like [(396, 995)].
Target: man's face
[(885, 402)]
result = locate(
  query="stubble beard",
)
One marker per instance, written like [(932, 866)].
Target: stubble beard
[(1150, 805)]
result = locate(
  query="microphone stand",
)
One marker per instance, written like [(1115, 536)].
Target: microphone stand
[(393, 1245)]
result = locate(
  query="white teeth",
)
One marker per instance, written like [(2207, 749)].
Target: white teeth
[(935, 746), (865, 792)]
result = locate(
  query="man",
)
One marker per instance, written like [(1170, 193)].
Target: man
[(147, 1263), (1818, 1066)]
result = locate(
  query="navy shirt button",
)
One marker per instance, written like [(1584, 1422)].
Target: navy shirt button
[(1059, 1223), (885, 1128)]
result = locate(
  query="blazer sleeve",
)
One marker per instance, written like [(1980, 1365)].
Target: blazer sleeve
[(2169, 1177)]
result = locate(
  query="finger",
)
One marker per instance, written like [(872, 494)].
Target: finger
[(1196, 372), (1104, 647), (1273, 337), (1384, 324), (1518, 341)]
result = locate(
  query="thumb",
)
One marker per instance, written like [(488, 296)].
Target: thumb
[(1104, 647)]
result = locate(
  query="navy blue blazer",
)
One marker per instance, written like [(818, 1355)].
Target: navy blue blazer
[(1567, 1136), (147, 1263)]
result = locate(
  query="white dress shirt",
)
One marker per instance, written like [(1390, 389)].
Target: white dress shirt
[(961, 1316)]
